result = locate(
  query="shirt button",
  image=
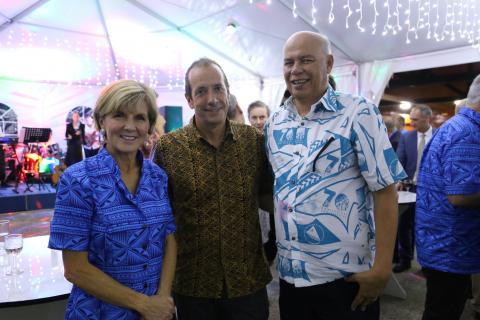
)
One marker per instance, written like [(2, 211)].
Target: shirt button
[(293, 238), (145, 285), (296, 153), (145, 267), (290, 210), (302, 123), (145, 246)]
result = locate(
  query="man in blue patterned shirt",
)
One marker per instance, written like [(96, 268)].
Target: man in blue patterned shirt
[(447, 221), (335, 196)]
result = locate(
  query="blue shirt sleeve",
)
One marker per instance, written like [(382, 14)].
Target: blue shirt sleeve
[(71, 223), (462, 166), (377, 160)]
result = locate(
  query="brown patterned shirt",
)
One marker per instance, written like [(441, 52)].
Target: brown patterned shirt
[(214, 194)]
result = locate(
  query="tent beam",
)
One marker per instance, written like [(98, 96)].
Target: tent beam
[(191, 36), (60, 29), (306, 20), (22, 14), (107, 36)]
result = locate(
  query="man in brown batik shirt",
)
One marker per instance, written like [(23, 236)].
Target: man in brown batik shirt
[(218, 175)]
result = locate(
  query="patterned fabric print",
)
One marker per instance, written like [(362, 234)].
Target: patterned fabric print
[(448, 237), (214, 199), (124, 234), (326, 166)]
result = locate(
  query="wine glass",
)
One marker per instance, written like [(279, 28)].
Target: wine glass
[(13, 246), (407, 184), (3, 233)]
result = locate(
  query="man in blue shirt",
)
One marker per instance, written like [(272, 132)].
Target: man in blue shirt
[(335, 195), (448, 211)]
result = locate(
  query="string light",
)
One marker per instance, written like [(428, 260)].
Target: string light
[(331, 16), (350, 12), (374, 24), (422, 18), (387, 25), (314, 13), (360, 11)]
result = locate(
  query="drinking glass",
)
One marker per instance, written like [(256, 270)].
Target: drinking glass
[(3, 233), (13, 246), (407, 184)]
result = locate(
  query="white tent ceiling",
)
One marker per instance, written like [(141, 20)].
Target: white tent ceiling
[(83, 42)]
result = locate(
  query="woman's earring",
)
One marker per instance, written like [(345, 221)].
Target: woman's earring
[(103, 134)]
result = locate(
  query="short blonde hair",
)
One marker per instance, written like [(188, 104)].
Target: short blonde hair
[(125, 94)]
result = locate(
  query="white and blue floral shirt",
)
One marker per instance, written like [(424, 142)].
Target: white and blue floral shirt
[(326, 166)]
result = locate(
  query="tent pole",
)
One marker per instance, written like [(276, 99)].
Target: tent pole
[(107, 36), (22, 14), (191, 36)]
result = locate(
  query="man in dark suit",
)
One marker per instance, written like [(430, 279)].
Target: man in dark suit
[(394, 135), (411, 145)]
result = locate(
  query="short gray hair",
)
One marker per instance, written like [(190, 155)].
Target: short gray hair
[(473, 97), (258, 104), (424, 109)]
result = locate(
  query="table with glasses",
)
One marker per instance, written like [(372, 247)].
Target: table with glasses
[(40, 291)]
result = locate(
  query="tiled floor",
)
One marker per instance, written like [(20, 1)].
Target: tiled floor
[(34, 223)]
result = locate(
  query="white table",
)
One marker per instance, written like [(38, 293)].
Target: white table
[(405, 197), (40, 286)]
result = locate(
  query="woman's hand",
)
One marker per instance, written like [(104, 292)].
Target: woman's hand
[(158, 307)]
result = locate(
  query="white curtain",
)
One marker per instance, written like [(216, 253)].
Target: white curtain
[(346, 78), (374, 77)]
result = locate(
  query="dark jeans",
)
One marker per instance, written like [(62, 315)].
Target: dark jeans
[(405, 235), (330, 301), (446, 294), (251, 307)]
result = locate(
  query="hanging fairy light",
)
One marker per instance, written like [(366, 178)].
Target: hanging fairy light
[(314, 13), (437, 19), (331, 16), (350, 12), (360, 11), (387, 25), (374, 24)]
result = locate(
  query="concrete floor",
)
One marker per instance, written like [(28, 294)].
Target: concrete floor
[(391, 308)]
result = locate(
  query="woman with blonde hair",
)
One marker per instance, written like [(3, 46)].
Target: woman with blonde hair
[(113, 220)]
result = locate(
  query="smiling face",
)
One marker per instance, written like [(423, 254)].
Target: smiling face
[(306, 66), (126, 129), (209, 95)]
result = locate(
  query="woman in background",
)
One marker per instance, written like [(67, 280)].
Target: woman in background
[(113, 220), (75, 135)]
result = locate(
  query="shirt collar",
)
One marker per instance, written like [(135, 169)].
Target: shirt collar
[(471, 114), (230, 130), (327, 102), (427, 133), (110, 162)]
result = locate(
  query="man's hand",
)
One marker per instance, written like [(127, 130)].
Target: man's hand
[(371, 284), (158, 307)]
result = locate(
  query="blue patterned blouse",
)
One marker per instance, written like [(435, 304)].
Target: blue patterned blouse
[(124, 234)]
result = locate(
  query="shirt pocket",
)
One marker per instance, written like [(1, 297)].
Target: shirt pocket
[(325, 156)]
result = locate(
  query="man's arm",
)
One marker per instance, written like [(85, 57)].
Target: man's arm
[(471, 201), (373, 282)]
